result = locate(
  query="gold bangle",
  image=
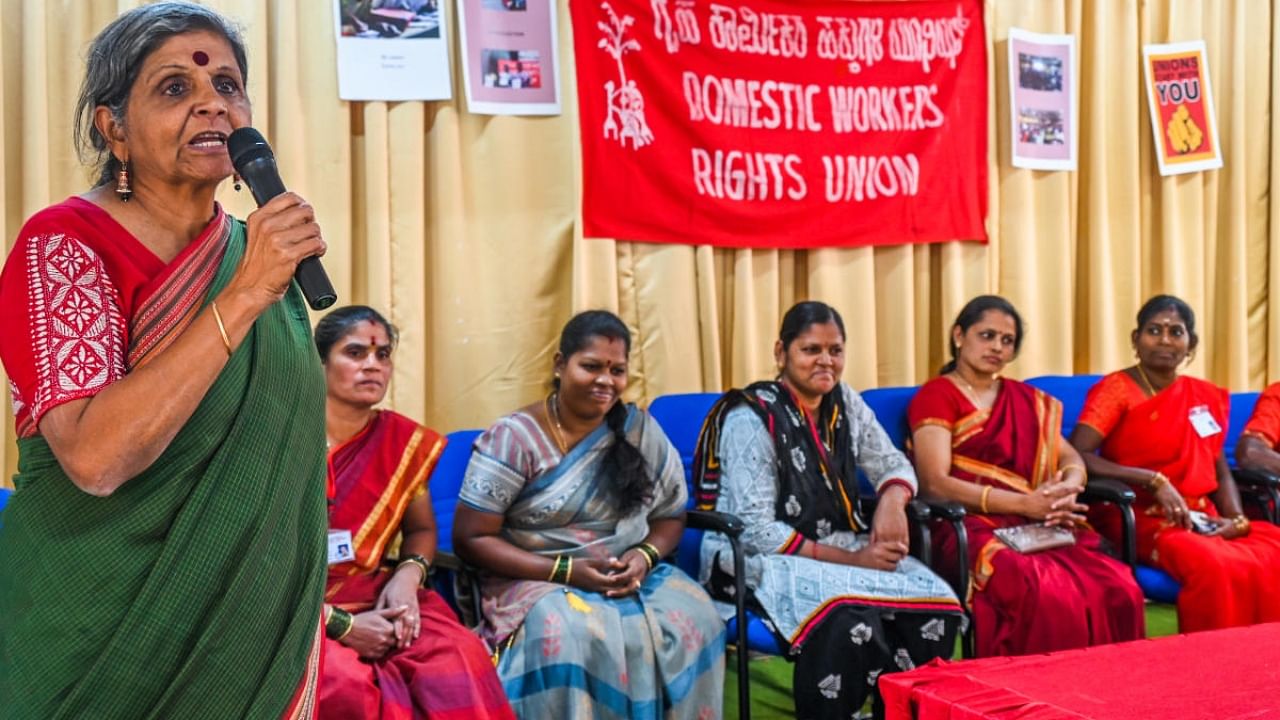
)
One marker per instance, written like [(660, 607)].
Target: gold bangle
[(648, 563), (222, 329), (1241, 522), (419, 562), (555, 568), (1076, 466), (568, 573), (986, 492), (1157, 481)]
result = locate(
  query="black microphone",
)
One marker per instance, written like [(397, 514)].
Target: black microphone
[(252, 158)]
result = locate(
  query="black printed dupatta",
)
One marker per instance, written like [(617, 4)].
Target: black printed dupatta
[(816, 463)]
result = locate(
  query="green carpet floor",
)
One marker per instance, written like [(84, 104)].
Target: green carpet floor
[(771, 675)]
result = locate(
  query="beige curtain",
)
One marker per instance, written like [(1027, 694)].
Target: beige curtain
[(464, 228)]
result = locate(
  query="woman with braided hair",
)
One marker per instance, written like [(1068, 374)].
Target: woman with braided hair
[(567, 506)]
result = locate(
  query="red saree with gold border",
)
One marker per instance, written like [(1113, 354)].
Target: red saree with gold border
[(1225, 583), (447, 671), (1051, 600)]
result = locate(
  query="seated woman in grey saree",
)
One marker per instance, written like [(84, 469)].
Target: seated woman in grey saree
[(567, 506), (783, 456)]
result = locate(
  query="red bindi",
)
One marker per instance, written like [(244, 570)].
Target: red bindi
[(200, 57)]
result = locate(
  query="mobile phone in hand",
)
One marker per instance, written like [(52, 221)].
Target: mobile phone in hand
[(1202, 523)]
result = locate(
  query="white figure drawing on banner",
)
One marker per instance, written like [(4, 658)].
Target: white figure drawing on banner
[(626, 105), (685, 28)]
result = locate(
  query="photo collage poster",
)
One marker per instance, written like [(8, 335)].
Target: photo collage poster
[(509, 56), (392, 50), (1043, 100)]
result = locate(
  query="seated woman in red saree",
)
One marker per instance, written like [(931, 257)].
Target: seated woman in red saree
[(995, 445), (1163, 433), (394, 648), (1257, 447)]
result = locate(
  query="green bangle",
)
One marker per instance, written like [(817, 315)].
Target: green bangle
[(339, 623), (562, 570), (650, 553)]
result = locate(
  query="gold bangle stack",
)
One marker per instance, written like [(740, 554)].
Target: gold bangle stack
[(1157, 481), (338, 623), (419, 562), (650, 553), (222, 329), (561, 570), (1241, 523), (986, 492)]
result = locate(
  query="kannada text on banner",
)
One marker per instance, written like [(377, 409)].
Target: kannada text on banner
[(796, 124)]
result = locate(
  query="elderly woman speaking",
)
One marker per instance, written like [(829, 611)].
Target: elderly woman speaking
[(163, 555)]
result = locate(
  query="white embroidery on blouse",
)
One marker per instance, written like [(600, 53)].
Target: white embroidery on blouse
[(77, 331)]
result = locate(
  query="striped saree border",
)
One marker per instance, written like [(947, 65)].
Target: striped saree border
[(1010, 480), (416, 463), (162, 317), (815, 618), (303, 704), (792, 545)]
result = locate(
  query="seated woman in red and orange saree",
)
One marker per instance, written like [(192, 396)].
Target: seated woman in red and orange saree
[(1163, 433), (1258, 444), (995, 445), (394, 648)]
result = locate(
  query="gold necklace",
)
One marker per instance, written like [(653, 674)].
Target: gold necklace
[(968, 389), (1145, 380), (557, 432)]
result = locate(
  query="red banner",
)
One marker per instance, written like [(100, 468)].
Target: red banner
[(771, 123)]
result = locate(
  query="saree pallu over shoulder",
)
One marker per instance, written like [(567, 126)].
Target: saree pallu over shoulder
[(1051, 600), (566, 652), (1013, 445), (1156, 432), (372, 478), (174, 298), (195, 589), (563, 508)]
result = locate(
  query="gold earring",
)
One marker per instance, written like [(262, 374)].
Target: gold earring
[(123, 189)]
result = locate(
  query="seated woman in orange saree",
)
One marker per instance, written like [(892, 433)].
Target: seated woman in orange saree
[(1163, 433), (995, 445), (394, 648)]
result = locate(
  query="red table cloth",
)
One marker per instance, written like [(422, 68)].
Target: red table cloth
[(1223, 674)]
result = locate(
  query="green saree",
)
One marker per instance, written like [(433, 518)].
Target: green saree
[(193, 591)]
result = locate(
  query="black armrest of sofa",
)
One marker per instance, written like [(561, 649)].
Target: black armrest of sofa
[(1260, 487), (1109, 490)]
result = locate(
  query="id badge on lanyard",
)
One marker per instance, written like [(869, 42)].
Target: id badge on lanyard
[(1203, 422), (340, 549)]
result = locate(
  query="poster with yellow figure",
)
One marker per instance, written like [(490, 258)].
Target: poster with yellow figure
[(1181, 102)]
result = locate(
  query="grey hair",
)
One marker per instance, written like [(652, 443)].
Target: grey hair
[(117, 54)]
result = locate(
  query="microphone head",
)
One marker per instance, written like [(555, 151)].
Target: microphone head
[(246, 145)]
